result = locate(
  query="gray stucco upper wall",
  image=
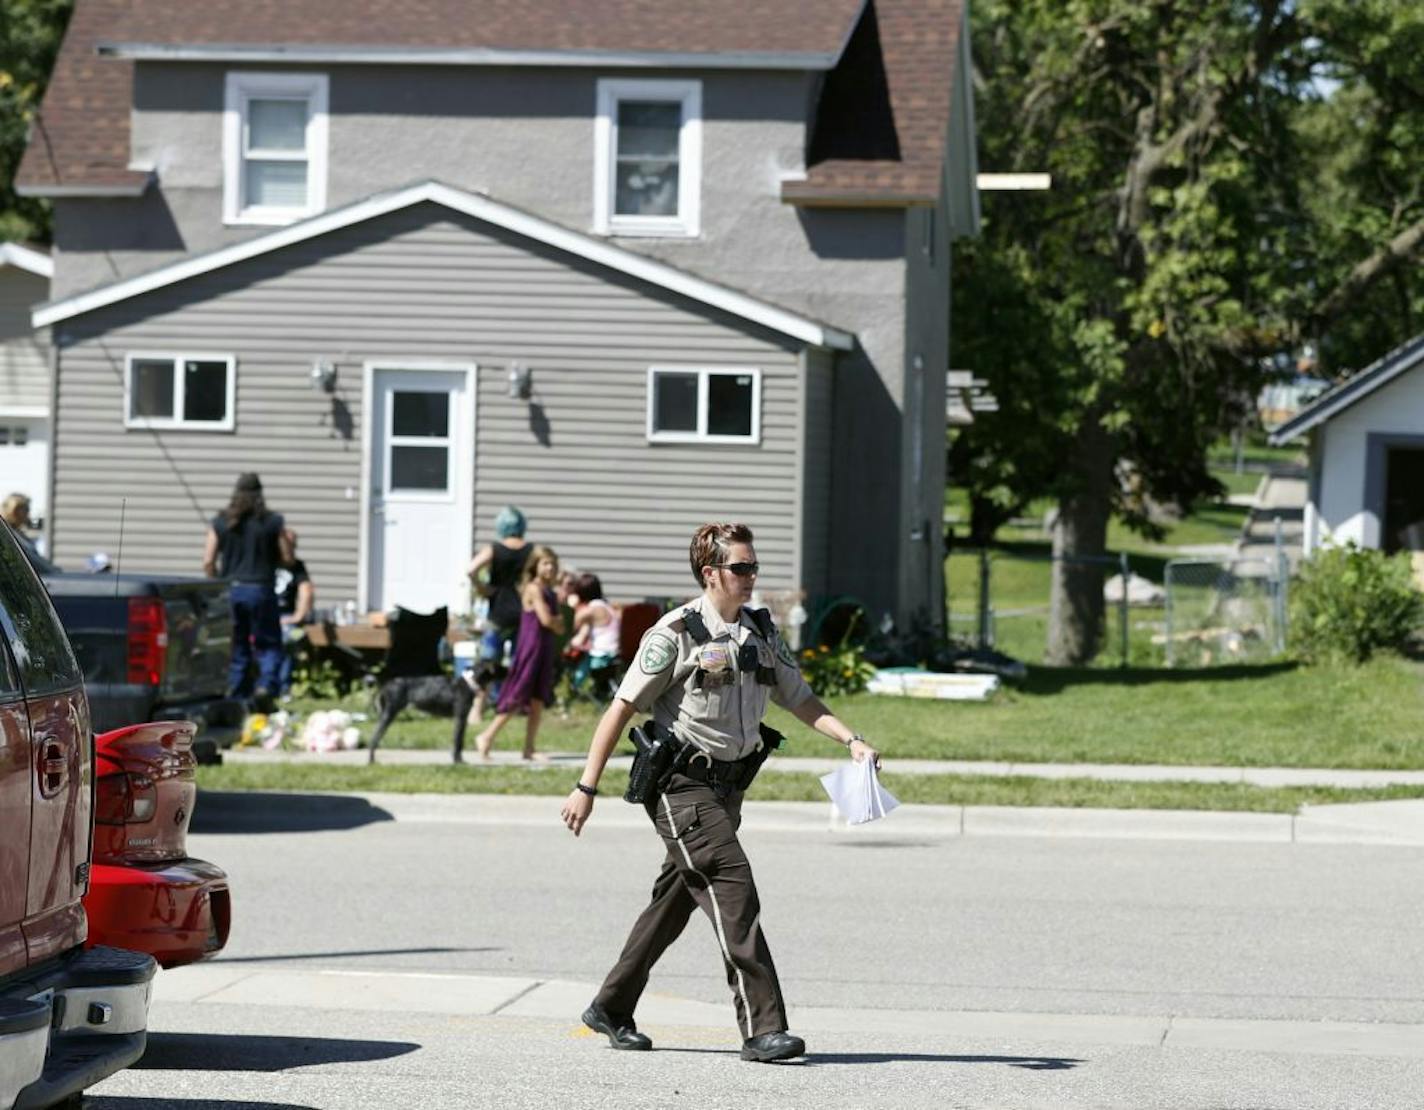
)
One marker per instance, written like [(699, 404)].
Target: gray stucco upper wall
[(524, 136)]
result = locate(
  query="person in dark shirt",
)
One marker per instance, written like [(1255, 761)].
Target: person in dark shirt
[(296, 600), (247, 543), (503, 561)]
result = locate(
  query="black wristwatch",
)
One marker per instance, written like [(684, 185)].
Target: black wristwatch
[(591, 791)]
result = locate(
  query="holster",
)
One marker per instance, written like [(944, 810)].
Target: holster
[(654, 755)]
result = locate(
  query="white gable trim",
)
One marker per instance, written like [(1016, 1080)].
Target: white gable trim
[(35, 262), (480, 208), (1404, 358)]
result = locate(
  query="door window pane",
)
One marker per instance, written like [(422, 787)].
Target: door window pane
[(277, 184), (675, 403), (151, 388), (420, 414), (647, 169), (729, 404), (36, 637), (276, 124), (419, 468), (205, 391)]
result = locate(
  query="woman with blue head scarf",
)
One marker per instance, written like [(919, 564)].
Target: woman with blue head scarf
[(503, 561)]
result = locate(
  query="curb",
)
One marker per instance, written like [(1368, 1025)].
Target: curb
[(1397, 824)]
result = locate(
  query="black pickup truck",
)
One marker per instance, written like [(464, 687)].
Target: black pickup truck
[(152, 649)]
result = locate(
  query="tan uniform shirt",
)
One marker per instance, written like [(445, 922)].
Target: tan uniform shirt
[(721, 714)]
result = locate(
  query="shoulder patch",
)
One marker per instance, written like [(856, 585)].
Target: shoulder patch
[(659, 650), (783, 652)]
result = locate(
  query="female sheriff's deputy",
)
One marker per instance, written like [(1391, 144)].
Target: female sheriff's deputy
[(706, 671)]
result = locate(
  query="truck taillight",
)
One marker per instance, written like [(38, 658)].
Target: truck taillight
[(124, 798), (148, 641)]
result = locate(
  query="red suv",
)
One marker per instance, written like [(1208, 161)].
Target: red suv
[(68, 1017)]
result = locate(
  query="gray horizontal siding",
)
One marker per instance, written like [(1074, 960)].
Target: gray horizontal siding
[(423, 285), (24, 352)]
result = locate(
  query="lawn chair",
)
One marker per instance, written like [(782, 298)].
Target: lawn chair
[(414, 651), (638, 617)]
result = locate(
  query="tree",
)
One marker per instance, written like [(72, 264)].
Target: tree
[(30, 31), (1125, 318)]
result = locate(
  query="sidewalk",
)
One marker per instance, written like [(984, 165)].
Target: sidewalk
[(1398, 823), (669, 1017), (1107, 772)]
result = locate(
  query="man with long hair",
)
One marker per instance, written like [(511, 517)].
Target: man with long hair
[(246, 542)]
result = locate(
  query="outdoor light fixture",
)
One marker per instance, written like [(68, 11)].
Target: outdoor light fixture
[(323, 375), (520, 385)]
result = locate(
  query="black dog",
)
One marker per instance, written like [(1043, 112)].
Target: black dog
[(442, 695)]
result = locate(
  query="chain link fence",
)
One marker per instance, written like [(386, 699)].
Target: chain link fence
[(1225, 611), (1155, 611), (1001, 598)]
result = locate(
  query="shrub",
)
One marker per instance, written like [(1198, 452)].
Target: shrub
[(837, 669), (1350, 602)]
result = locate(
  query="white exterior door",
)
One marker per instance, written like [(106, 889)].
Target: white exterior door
[(24, 460), (420, 462)]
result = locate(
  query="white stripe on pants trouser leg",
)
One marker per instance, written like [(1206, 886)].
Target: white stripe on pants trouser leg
[(716, 918)]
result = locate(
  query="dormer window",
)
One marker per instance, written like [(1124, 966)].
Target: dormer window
[(648, 158), (274, 147)]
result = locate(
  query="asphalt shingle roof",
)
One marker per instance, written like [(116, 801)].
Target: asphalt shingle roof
[(879, 133)]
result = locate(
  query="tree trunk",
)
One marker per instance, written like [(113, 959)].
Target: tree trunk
[(1076, 609)]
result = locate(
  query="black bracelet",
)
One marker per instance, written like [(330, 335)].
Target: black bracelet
[(591, 791)]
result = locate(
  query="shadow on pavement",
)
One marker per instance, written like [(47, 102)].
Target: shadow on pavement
[(241, 812), (223, 1052), (349, 953), (813, 1059), (1031, 1063), (115, 1102)]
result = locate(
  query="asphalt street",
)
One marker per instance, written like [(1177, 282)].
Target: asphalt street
[(439, 957)]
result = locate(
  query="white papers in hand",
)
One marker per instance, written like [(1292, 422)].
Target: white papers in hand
[(856, 792)]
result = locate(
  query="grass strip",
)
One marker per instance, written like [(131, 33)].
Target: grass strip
[(973, 790)]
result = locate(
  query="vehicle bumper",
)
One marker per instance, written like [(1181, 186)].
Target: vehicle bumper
[(66, 1025), (176, 912), (114, 705)]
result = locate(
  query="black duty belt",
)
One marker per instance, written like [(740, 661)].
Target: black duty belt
[(725, 776)]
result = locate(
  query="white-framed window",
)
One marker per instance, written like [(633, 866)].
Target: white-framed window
[(274, 147), (648, 158), (186, 390), (697, 404)]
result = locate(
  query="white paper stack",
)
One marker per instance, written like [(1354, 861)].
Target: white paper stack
[(856, 792)]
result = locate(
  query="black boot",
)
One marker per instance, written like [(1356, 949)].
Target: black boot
[(621, 1034), (773, 1046)]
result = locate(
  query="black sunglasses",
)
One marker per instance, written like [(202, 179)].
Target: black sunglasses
[(741, 570)]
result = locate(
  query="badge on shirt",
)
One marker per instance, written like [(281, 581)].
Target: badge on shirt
[(658, 653)]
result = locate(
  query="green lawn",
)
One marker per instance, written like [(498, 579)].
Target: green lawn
[(780, 786), (1273, 715)]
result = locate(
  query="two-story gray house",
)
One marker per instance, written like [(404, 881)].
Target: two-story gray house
[(628, 266)]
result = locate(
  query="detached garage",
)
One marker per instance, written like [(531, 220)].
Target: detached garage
[(1366, 439)]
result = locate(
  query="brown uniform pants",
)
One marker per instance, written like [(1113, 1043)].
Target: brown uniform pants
[(706, 867)]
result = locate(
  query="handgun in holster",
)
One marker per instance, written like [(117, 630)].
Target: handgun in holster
[(654, 755)]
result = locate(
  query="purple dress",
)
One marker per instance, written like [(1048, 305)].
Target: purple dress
[(531, 671)]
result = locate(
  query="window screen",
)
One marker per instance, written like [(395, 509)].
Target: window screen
[(675, 403), (205, 391), (729, 404), (647, 168)]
